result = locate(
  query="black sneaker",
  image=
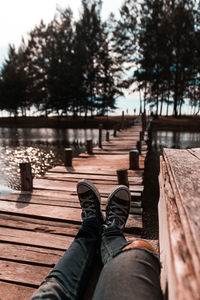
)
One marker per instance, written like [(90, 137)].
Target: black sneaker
[(118, 207), (90, 200)]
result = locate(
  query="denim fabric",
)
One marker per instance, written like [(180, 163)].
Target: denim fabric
[(112, 243), (134, 274), (73, 269)]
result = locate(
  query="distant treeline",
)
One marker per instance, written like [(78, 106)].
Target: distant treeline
[(81, 67)]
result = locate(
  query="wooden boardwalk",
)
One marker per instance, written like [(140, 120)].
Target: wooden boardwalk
[(37, 227)]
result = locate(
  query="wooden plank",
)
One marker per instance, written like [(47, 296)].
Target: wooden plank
[(71, 186), (38, 225), (91, 171), (23, 273), (175, 257), (195, 152), (28, 254), (187, 193), (134, 221), (136, 210), (66, 214), (25, 237), (93, 178), (26, 200), (52, 212), (60, 193), (11, 291)]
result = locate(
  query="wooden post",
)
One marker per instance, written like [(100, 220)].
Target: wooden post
[(68, 157), (139, 146), (143, 121), (134, 160), (141, 135), (26, 177), (122, 124), (107, 136), (115, 131), (122, 175), (100, 135), (89, 147)]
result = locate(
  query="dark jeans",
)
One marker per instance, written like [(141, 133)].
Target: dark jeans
[(131, 274)]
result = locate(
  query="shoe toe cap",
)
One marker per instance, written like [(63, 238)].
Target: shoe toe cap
[(123, 194)]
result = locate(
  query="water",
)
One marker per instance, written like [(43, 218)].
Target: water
[(43, 147), (178, 140)]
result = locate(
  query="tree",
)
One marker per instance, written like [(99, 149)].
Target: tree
[(14, 82), (50, 51)]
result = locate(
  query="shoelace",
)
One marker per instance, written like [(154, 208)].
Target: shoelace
[(117, 215), (88, 204)]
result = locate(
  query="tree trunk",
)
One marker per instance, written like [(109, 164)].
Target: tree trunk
[(161, 106), (157, 105), (140, 101), (167, 111), (175, 105)]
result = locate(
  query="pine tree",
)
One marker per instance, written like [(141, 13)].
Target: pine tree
[(14, 82)]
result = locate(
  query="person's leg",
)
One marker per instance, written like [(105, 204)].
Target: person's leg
[(131, 271), (132, 274), (117, 211), (71, 272)]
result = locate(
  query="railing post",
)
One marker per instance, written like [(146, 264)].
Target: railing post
[(100, 135), (68, 157), (134, 160), (122, 123), (107, 136), (26, 177), (141, 135), (144, 121), (115, 131), (139, 146), (122, 175), (89, 147)]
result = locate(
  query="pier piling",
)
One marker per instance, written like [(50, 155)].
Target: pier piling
[(68, 157), (122, 175), (26, 177), (134, 160)]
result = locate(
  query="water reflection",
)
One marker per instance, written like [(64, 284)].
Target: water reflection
[(43, 147), (172, 139)]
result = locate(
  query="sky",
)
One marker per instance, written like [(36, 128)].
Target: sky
[(19, 17)]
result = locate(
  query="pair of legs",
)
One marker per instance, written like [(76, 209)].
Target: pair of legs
[(131, 271)]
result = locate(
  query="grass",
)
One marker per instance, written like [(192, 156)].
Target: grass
[(61, 122), (184, 123)]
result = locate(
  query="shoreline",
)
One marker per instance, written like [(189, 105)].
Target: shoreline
[(62, 122), (185, 123)]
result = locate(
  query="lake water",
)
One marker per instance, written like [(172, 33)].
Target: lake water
[(171, 139), (44, 147)]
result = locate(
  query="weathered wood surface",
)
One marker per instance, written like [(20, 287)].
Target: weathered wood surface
[(37, 227), (179, 222)]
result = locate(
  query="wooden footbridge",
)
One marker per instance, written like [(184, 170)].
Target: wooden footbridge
[(37, 227)]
